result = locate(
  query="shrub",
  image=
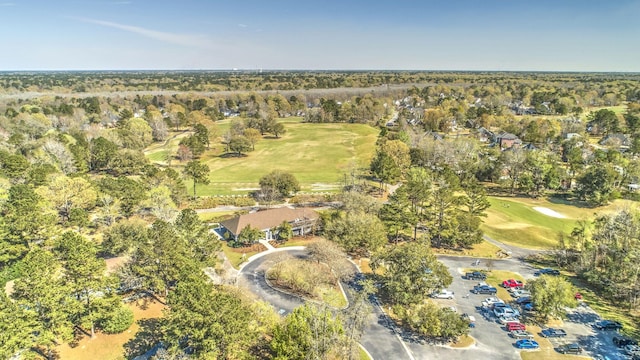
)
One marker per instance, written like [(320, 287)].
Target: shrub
[(427, 319), (9, 273), (205, 202), (301, 276), (119, 321)]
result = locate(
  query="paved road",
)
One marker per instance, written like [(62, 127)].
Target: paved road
[(384, 341), (252, 277), (379, 338)]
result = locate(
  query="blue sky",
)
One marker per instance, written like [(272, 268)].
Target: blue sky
[(542, 35)]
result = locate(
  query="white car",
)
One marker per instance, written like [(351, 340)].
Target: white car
[(507, 319), (491, 301), (443, 294), (520, 293), (506, 312)]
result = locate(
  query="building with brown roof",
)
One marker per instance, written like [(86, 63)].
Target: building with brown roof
[(302, 221), (507, 140)]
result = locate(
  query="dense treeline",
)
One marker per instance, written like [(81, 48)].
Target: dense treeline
[(246, 80)]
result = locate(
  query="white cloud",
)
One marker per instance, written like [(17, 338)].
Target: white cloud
[(7, 4), (178, 39), (243, 25)]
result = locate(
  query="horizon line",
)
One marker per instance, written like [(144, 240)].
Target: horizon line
[(319, 70)]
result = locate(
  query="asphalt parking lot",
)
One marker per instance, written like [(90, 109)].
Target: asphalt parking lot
[(595, 342), (493, 341)]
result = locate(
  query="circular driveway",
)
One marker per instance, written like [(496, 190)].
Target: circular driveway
[(383, 340), (380, 338)]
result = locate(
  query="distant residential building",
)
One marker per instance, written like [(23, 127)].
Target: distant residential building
[(617, 140), (507, 140), (485, 135)]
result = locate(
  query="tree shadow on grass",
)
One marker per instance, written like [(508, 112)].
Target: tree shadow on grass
[(146, 338), (232, 155), (45, 353), (569, 201)]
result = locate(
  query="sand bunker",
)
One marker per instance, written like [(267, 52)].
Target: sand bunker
[(549, 212)]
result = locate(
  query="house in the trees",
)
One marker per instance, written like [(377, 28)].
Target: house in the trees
[(617, 140), (485, 135), (507, 140), (302, 221)]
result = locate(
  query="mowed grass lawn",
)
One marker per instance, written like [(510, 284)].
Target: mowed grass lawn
[(318, 155), (157, 152), (515, 221)]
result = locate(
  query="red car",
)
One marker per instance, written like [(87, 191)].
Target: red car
[(578, 296), (512, 283), (513, 326)]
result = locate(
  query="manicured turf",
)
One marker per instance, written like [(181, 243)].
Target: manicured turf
[(157, 152), (514, 221), (313, 153), (484, 249), (235, 255), (318, 155), (216, 216), (300, 241)]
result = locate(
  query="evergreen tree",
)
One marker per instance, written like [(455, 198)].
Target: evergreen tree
[(213, 323), (42, 290)]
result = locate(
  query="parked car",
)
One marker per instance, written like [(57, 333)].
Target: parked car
[(475, 275), (631, 349), (523, 300), (528, 307), (500, 305), (443, 294), (607, 325), (572, 348), (484, 289), (578, 296), (514, 325), (506, 311), (518, 293), (512, 283), (553, 333), (547, 271), (507, 319), (521, 334), (620, 341), (527, 344), (491, 301)]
